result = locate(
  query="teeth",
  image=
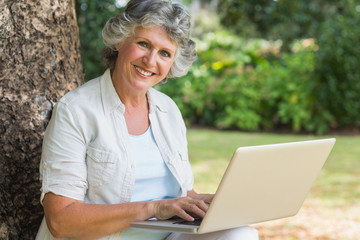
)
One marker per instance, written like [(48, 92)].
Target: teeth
[(143, 72)]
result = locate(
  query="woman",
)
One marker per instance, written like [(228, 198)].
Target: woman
[(115, 150)]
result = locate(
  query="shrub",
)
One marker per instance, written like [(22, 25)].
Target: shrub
[(215, 91), (337, 66), (248, 85), (288, 92)]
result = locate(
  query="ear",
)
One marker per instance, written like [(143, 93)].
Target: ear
[(117, 46)]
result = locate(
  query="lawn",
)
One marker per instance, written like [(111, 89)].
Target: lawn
[(332, 208)]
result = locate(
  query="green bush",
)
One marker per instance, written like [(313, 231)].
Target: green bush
[(338, 66), (92, 16), (278, 93), (237, 99), (288, 92), (202, 95), (247, 85)]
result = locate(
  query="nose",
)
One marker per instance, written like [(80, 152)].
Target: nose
[(150, 58)]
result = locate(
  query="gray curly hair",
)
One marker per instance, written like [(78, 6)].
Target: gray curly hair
[(149, 13)]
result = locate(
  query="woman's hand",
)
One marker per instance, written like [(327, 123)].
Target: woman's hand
[(185, 207), (207, 198)]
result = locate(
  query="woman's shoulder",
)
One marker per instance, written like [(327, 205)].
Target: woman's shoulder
[(89, 89)]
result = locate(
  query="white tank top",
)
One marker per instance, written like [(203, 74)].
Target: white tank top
[(153, 181), (153, 178)]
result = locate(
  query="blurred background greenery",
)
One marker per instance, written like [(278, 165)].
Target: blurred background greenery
[(262, 64)]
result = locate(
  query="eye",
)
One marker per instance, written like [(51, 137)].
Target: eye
[(143, 44), (165, 54)]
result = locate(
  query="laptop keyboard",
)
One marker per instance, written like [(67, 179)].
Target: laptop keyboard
[(196, 222)]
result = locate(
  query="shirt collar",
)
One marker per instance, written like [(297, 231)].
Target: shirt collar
[(155, 101), (111, 100)]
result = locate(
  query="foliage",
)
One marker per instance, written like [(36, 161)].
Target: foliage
[(338, 65), (288, 92), (92, 16), (285, 20), (335, 79), (194, 93), (244, 85)]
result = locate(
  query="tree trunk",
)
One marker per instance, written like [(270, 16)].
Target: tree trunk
[(39, 62)]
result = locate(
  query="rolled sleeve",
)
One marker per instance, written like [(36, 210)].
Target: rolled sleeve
[(63, 168)]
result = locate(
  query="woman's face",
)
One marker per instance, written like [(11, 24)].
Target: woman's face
[(145, 58)]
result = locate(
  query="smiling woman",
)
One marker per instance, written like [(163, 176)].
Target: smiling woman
[(115, 150)]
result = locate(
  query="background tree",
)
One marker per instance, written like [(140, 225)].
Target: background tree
[(338, 65), (39, 62), (90, 25), (276, 19), (332, 24)]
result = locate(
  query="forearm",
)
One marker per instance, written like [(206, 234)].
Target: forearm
[(70, 218), (88, 221)]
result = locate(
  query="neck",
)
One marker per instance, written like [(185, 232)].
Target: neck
[(136, 107), (131, 98)]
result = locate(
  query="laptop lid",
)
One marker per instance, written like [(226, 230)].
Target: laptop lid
[(261, 183)]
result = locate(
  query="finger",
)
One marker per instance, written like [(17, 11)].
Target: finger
[(165, 209), (209, 198), (187, 208), (196, 208), (184, 215), (201, 204)]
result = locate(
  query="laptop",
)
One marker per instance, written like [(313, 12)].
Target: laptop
[(261, 183)]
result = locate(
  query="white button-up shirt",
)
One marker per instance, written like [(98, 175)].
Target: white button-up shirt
[(86, 151)]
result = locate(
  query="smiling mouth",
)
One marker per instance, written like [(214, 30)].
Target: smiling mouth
[(143, 72)]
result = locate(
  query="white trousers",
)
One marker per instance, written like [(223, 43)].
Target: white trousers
[(242, 233)]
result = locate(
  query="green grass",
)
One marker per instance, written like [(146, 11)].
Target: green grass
[(338, 184)]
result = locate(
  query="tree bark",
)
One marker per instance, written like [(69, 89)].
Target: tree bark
[(39, 62)]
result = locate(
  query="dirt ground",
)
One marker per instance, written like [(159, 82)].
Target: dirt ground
[(314, 222)]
